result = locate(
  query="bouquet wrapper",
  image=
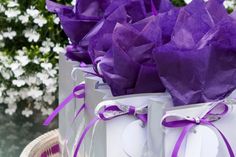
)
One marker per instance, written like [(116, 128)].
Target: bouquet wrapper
[(209, 124), (132, 46), (88, 16), (198, 64)]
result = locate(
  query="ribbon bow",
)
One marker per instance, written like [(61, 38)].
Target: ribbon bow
[(108, 112), (75, 94), (215, 113)]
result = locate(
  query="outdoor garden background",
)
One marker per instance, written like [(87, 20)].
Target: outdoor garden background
[(30, 42)]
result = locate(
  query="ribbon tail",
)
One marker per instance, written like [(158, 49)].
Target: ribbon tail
[(88, 127), (79, 111), (230, 150), (58, 109), (181, 139), (143, 118), (69, 133)]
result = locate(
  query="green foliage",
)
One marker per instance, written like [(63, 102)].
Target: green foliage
[(178, 3)]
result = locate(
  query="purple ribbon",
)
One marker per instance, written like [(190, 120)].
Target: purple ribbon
[(52, 150), (214, 114), (73, 95), (106, 113)]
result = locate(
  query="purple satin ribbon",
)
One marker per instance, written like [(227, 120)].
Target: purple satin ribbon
[(214, 114), (115, 111), (73, 95)]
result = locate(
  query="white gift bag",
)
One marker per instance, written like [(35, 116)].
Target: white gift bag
[(112, 138), (70, 75), (125, 135), (203, 139), (92, 98), (66, 85)]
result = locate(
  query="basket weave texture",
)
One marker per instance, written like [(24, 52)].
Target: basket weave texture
[(46, 145)]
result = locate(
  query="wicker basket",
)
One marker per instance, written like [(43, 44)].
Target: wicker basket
[(46, 145)]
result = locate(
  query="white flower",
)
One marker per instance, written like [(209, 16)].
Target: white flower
[(34, 92), (46, 66), (52, 88), (32, 12), (21, 52), (2, 88), (2, 8), (1, 37), (6, 61), (45, 111), (10, 100), (44, 49), (2, 44), (27, 112), (9, 33), (12, 94), (12, 12), (23, 93), (56, 20), (73, 2), (46, 46), (24, 18), (14, 66), (12, 4), (37, 105), (40, 20), (188, 1), (49, 98), (18, 72), (19, 83), (6, 74), (36, 60), (1, 100), (48, 43), (229, 4), (4, 58), (42, 76), (11, 109), (49, 81), (32, 35), (52, 72), (23, 60), (31, 80), (58, 49)]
